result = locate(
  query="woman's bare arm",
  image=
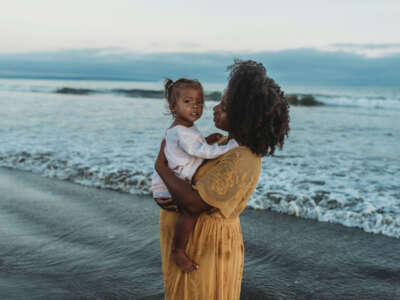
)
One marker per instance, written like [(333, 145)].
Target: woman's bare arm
[(180, 190), (167, 204)]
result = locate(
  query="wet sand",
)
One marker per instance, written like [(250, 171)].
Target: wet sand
[(60, 240)]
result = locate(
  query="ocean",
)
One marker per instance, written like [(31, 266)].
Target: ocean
[(340, 164)]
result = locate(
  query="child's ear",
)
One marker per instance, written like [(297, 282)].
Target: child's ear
[(172, 109)]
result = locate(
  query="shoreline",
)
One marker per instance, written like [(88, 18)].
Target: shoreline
[(62, 240)]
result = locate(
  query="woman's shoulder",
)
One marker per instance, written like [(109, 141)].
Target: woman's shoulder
[(242, 153), (238, 151), (239, 160)]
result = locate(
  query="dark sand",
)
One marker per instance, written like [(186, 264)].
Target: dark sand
[(60, 240)]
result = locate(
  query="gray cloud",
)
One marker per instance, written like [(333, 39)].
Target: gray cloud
[(297, 66), (368, 46)]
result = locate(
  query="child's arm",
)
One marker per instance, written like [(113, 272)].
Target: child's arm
[(193, 143)]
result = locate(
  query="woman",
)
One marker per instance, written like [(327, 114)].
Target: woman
[(254, 112)]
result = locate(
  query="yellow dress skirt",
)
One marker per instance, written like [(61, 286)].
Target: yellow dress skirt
[(216, 244)]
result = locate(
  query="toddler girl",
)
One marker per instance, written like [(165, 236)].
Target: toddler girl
[(185, 150)]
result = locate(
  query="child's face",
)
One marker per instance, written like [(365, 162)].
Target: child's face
[(189, 106)]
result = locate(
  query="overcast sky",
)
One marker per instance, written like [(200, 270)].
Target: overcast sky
[(364, 26)]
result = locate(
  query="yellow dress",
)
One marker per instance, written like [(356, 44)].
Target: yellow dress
[(216, 244)]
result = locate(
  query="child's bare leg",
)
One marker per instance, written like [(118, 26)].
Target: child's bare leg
[(183, 228)]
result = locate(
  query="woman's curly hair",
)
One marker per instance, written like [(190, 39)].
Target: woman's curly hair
[(257, 111)]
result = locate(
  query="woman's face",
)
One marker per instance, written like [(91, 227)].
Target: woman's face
[(220, 115)]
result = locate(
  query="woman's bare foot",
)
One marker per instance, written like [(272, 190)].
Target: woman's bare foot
[(182, 261)]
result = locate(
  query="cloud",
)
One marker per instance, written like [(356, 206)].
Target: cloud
[(366, 49), (366, 46), (306, 66), (189, 45)]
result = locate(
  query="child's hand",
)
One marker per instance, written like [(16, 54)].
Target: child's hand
[(213, 138)]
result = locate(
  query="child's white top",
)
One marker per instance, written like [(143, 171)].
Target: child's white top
[(185, 150)]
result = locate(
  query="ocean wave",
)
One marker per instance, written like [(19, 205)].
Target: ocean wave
[(338, 164), (325, 206), (133, 93), (47, 164), (302, 99), (136, 93), (374, 102), (319, 204), (75, 91)]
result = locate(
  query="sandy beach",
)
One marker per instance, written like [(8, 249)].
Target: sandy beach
[(61, 240)]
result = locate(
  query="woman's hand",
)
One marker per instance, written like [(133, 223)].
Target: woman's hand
[(213, 138), (160, 164), (167, 204), (161, 161)]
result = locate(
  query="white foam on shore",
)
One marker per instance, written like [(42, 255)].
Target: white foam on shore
[(97, 174), (371, 206), (366, 102), (277, 190)]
